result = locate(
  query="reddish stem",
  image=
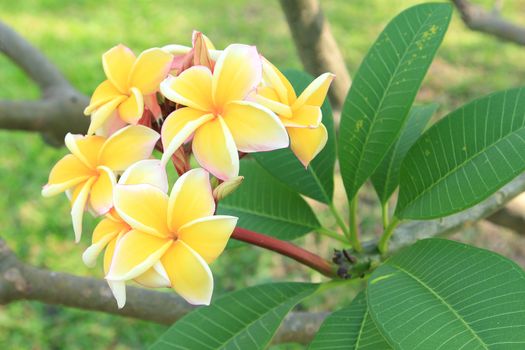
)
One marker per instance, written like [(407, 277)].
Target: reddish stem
[(286, 248)]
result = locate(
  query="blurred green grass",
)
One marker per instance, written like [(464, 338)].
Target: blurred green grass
[(74, 34)]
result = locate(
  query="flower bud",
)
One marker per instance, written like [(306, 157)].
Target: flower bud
[(227, 187)]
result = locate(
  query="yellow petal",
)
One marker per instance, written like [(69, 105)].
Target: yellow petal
[(208, 236), (110, 251), (178, 127), (117, 63), (79, 206), (85, 148), (104, 232), (101, 115), (191, 198), (305, 117), (67, 173), (307, 143), (149, 172), (272, 79), (143, 207), (152, 278), (237, 72), (101, 196), (215, 150), (191, 88), (315, 93), (135, 253), (150, 68), (268, 98), (127, 146), (111, 125), (207, 41), (104, 93), (254, 128), (276, 80), (189, 274), (132, 108)]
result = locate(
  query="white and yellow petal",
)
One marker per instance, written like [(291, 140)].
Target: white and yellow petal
[(238, 71), (208, 236), (307, 143), (267, 97), (315, 93), (85, 148), (101, 196), (215, 149), (104, 93), (306, 116), (191, 88), (154, 277), (149, 172), (117, 63), (143, 207), (178, 127), (67, 173), (189, 274), (131, 109), (80, 199), (135, 253), (150, 68), (127, 146), (106, 231), (103, 113), (254, 128), (276, 80), (191, 198)]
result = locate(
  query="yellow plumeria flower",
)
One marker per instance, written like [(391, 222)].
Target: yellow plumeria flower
[(218, 114), (129, 80), (300, 115), (113, 227), (88, 173), (180, 232)]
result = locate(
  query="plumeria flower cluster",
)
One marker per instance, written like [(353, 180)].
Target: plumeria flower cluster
[(214, 105)]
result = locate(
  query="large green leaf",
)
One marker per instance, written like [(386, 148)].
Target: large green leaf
[(386, 177), (317, 181), (350, 328), (384, 89), (465, 157), (245, 319), (440, 294), (265, 205)]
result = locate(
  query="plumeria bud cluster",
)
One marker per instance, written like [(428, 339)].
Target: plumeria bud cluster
[(213, 105)]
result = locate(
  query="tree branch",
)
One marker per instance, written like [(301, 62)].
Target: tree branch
[(512, 216), (60, 110), (19, 281), (410, 232), (476, 18), (316, 45)]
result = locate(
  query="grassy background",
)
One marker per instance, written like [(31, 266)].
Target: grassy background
[(74, 34)]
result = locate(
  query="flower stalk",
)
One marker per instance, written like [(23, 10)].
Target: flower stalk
[(286, 248), (353, 236), (389, 230)]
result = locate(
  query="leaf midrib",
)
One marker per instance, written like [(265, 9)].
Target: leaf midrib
[(438, 297), (461, 165), (374, 121)]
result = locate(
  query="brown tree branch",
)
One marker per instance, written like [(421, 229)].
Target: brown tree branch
[(511, 216), (60, 110), (478, 19), (412, 231), (316, 45), (19, 281)]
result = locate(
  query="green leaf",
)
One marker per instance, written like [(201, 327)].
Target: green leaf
[(440, 294), (465, 157), (350, 328), (384, 89), (317, 181), (244, 319), (386, 177), (265, 205)]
